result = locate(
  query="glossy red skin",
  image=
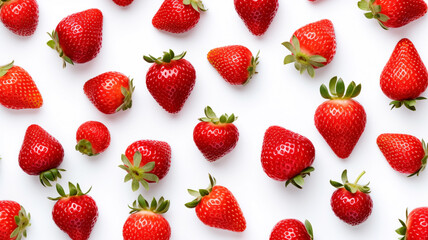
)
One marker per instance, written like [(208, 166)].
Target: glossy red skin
[(8, 211), (20, 16), (123, 3), (401, 12), (39, 151), (257, 15), (341, 123), (175, 17), (80, 35), (285, 154), (405, 75), (170, 84), (146, 225), (96, 133), (76, 216), (351, 208), (417, 228), (289, 229)]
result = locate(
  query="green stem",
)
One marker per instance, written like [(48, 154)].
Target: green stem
[(358, 179)]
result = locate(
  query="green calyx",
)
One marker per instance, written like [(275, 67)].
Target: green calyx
[(403, 229), (200, 194), (252, 69), (408, 103), (374, 12), (54, 44), (22, 221), (127, 93), (85, 147), (423, 161), (50, 176), (75, 190), (196, 4), (141, 204), (298, 180), (211, 117), (138, 174), (351, 187), (4, 69), (337, 90), (167, 57), (308, 227)]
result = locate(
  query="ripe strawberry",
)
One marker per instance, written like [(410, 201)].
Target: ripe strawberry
[(351, 202), (405, 153), (235, 63), (92, 138), (14, 221), (287, 156), (20, 16), (257, 15), (110, 92), (178, 16), (415, 227), (17, 88), (123, 3), (41, 154), (146, 161), (170, 80), (405, 76), (146, 221), (78, 37), (312, 46), (75, 213), (340, 120), (292, 229), (217, 207)]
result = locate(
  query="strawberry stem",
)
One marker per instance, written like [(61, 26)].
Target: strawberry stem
[(22, 221), (358, 178)]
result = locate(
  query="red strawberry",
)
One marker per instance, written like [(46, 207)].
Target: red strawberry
[(292, 229), (351, 202), (257, 15), (20, 16), (217, 207), (75, 213), (405, 76), (92, 138), (312, 46), (78, 37), (41, 154), (215, 137), (14, 221), (405, 153), (17, 88), (110, 92), (235, 63), (287, 156), (170, 80), (416, 227), (178, 16), (146, 161), (146, 221), (123, 3), (340, 120)]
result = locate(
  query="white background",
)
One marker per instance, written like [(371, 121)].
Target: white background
[(278, 95)]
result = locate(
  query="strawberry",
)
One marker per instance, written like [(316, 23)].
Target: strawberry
[(170, 80), (235, 63), (75, 213), (78, 37), (257, 15), (41, 154), (351, 202), (287, 156), (340, 120), (110, 92), (393, 13), (146, 161), (146, 221), (14, 220), (17, 88), (92, 138), (20, 16), (217, 207), (215, 137), (405, 153), (123, 3), (312, 46), (405, 76), (292, 229), (178, 16), (415, 227)]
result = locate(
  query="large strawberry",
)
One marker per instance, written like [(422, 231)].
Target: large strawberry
[(17, 88), (287, 156), (20, 16), (170, 80), (123, 3), (146, 221), (78, 37), (14, 221), (41, 154), (415, 227), (257, 15), (292, 229), (340, 120), (235, 63), (92, 138), (217, 207), (405, 76), (312, 46)]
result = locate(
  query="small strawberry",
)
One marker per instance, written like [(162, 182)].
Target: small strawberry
[(146, 161), (340, 120), (17, 88), (41, 154), (312, 46), (257, 15), (75, 213), (415, 227), (235, 63), (351, 202), (123, 3), (92, 138), (292, 229), (110, 92), (14, 221), (146, 221), (20, 16), (170, 80), (78, 37), (217, 207), (287, 156)]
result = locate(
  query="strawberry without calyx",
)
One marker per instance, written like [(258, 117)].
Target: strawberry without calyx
[(257, 15), (20, 16), (292, 229), (92, 138), (14, 221), (415, 227)]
